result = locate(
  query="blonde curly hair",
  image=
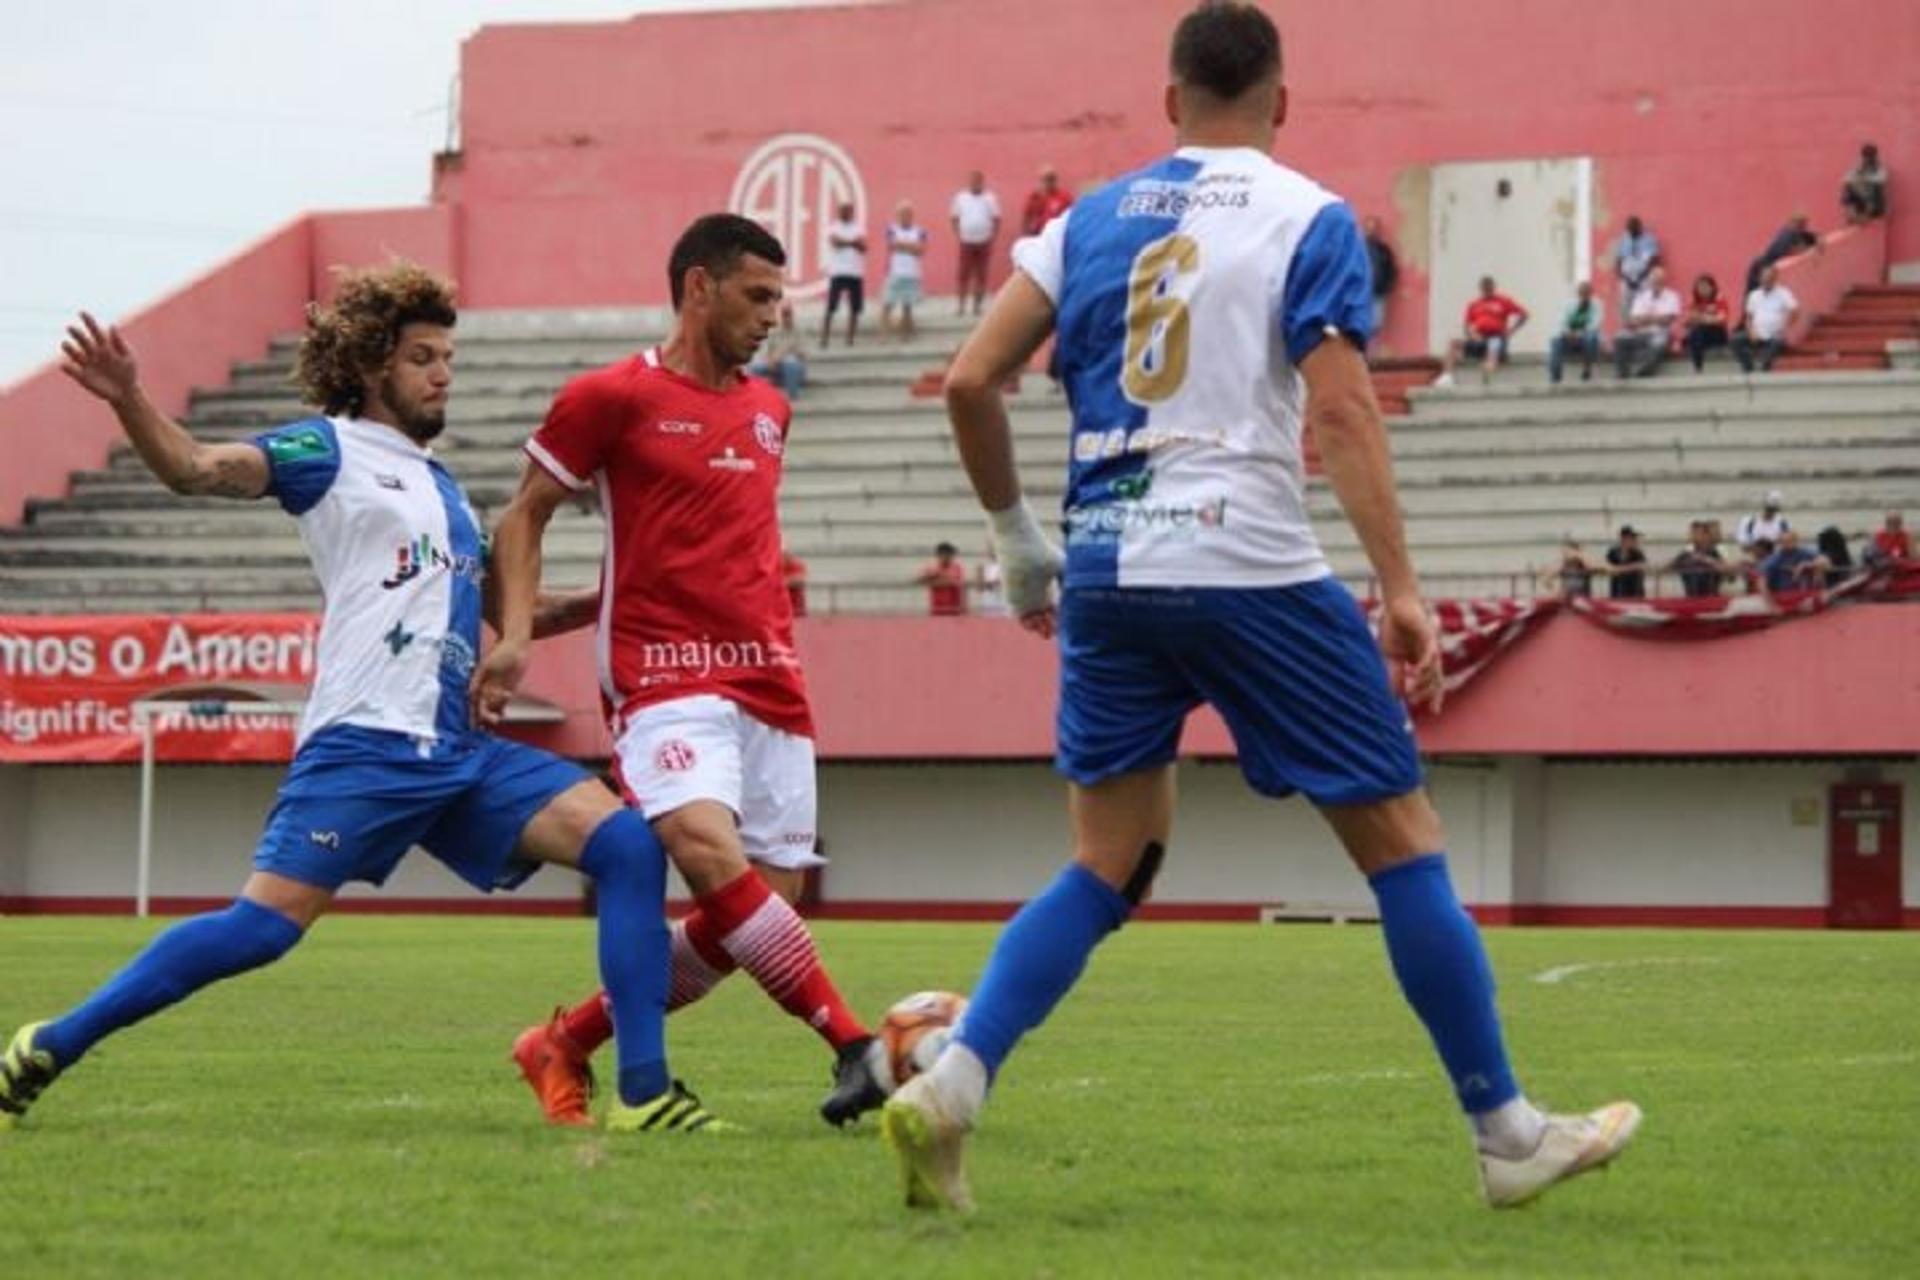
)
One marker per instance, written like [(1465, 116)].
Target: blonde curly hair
[(357, 334)]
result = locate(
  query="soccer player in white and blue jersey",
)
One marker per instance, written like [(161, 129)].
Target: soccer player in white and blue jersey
[(388, 753), (1207, 307)]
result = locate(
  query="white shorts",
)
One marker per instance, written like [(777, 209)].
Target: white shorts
[(706, 748)]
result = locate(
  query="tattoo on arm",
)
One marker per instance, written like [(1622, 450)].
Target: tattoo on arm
[(228, 478)]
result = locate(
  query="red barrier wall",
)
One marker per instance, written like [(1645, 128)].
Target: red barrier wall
[(980, 688), (585, 147)]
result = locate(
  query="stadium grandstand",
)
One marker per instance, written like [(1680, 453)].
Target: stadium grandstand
[(1653, 757)]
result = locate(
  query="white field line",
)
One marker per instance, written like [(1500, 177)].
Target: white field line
[(1897, 1059), (1560, 973)]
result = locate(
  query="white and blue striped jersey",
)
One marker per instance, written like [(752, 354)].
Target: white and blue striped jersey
[(399, 557), (1186, 294)]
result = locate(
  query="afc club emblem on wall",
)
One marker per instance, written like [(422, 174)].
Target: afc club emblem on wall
[(793, 185), (767, 432), (674, 756)]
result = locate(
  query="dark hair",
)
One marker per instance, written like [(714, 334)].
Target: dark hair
[(357, 333), (1225, 47), (1707, 279), (946, 549), (717, 242)]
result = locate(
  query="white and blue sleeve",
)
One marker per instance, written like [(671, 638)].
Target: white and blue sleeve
[(1042, 258), (303, 459), (1329, 284)]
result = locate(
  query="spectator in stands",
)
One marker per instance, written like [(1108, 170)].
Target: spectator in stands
[(782, 358), (946, 582), (1635, 255), (1699, 564), (1044, 203), (1489, 325), (1625, 566), (1863, 193), (906, 262), (1767, 526), (1771, 309), (1643, 342), (846, 272), (1833, 549), (1792, 567), (1706, 322), (1891, 542), (1574, 575), (975, 215), (1386, 272), (989, 594), (1793, 238), (1579, 332), (794, 571)]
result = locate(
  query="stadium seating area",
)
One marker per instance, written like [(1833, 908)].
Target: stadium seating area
[(1492, 476)]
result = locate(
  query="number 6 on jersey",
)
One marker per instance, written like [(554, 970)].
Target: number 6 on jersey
[(1158, 324)]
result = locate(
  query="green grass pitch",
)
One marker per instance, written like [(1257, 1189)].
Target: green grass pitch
[(1212, 1100)]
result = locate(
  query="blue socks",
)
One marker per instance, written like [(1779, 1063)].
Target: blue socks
[(629, 870), (177, 963), (1436, 954), (1039, 956)]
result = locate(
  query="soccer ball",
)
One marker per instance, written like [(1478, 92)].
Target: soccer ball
[(916, 1029)]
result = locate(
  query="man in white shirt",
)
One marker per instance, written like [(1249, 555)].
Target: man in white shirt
[(1642, 342), (1767, 526), (1771, 309), (976, 223), (906, 247), (846, 272)]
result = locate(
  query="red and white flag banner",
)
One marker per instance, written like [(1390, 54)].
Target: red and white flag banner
[(69, 685)]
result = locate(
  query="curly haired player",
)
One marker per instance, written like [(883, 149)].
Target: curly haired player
[(388, 756)]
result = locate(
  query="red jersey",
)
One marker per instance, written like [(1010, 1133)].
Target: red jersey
[(1487, 316), (1895, 544), (1043, 208), (946, 588), (692, 595)]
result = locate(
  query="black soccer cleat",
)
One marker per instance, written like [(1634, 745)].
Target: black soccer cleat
[(859, 1082), (24, 1072)]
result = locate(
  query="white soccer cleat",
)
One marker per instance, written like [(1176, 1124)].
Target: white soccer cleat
[(1569, 1145), (931, 1145)]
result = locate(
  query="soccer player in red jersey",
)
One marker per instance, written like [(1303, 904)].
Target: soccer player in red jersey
[(698, 674)]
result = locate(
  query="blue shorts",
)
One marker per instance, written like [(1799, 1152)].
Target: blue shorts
[(355, 800), (1293, 671)]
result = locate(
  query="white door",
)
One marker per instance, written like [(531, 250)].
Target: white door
[(1526, 223)]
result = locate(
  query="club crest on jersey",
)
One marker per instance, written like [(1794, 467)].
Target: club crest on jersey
[(676, 755), (767, 432)]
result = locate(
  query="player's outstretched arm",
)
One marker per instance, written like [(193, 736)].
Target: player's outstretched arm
[(104, 366), (1345, 420), (1016, 324), (514, 574)]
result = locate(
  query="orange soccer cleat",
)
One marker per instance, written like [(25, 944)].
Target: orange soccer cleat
[(557, 1072)]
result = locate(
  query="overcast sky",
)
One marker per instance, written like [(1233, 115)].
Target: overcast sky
[(143, 142)]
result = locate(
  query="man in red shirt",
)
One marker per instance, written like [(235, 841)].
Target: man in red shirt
[(1892, 541), (946, 582), (713, 735), (1490, 323), (1045, 203)]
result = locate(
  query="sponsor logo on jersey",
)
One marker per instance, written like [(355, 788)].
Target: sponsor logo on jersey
[(325, 839), (793, 185), (398, 638), (1114, 442), (298, 443), (389, 482), (456, 654), (676, 755), (767, 432), (731, 461), (706, 655), (1159, 198), (680, 427), (411, 559), (1180, 519)]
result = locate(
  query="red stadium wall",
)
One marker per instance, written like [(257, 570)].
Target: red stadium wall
[(1846, 682), (585, 147)]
